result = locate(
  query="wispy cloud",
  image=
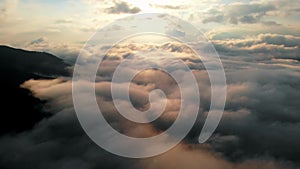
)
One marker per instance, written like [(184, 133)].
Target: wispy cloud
[(122, 7)]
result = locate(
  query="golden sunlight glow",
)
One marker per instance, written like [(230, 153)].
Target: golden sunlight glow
[(146, 6)]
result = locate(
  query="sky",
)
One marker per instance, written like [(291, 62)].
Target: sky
[(72, 22), (258, 43)]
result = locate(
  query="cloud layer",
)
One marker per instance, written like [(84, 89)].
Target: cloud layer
[(258, 42), (260, 127)]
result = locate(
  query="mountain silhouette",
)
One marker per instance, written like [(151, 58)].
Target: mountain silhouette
[(20, 110)]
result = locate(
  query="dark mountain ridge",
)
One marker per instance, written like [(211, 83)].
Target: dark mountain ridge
[(20, 110)]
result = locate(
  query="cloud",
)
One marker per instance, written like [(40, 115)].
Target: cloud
[(63, 21), (88, 29), (67, 52), (259, 129), (261, 47), (7, 9), (198, 157), (261, 113), (285, 8), (167, 6), (2, 14), (122, 7), (235, 13), (42, 147), (261, 101)]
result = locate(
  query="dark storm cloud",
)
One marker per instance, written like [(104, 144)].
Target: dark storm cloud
[(122, 7)]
